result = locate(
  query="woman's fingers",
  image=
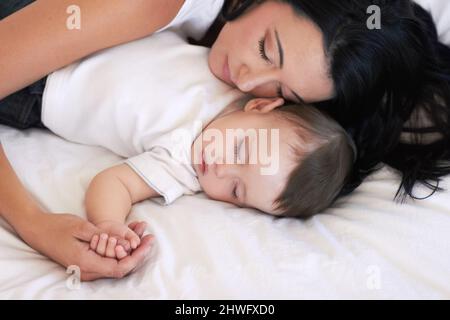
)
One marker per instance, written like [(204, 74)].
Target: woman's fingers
[(133, 238), (96, 267), (133, 224), (120, 252), (108, 258), (137, 257), (138, 227), (124, 243)]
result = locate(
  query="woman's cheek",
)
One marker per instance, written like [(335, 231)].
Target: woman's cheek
[(213, 62)]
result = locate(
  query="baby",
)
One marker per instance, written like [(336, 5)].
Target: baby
[(310, 156), (155, 102)]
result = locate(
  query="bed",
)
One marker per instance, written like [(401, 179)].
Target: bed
[(365, 246)]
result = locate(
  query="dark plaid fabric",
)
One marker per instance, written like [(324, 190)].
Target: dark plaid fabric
[(21, 109)]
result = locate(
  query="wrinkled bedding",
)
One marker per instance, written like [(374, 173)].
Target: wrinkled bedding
[(365, 246)]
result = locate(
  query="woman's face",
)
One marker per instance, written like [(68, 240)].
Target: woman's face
[(271, 49)]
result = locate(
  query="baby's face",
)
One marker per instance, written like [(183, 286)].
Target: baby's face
[(244, 158)]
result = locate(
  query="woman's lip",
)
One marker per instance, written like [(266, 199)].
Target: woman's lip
[(226, 73)]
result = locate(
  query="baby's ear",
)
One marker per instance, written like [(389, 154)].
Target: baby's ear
[(263, 105)]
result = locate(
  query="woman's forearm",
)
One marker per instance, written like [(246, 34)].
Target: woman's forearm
[(62, 237), (16, 205), (36, 40)]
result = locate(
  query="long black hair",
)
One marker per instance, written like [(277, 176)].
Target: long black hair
[(392, 86)]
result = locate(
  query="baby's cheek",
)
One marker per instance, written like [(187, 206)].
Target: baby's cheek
[(212, 188)]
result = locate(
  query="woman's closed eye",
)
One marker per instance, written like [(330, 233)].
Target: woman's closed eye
[(263, 54), (262, 50)]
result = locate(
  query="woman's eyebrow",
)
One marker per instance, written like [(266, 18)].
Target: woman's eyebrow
[(281, 55), (280, 49)]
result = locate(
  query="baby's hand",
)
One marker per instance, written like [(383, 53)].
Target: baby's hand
[(107, 246), (116, 242)]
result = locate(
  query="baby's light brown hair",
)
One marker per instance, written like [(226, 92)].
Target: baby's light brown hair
[(324, 155)]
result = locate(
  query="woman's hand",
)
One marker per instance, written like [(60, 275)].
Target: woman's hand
[(65, 238), (62, 237)]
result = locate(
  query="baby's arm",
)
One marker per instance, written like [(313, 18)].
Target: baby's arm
[(108, 200)]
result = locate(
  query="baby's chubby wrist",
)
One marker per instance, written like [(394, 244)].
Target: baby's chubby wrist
[(99, 221), (97, 215)]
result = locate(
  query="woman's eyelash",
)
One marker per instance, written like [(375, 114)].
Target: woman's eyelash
[(280, 91), (262, 51)]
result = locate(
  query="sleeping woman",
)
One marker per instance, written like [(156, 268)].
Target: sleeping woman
[(389, 87)]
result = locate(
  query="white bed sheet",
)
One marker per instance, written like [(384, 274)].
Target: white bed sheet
[(366, 246)]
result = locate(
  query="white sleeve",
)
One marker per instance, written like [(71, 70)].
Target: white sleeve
[(195, 17), (170, 178)]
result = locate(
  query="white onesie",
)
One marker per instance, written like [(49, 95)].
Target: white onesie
[(132, 98)]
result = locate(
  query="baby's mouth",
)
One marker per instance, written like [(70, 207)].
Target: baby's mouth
[(203, 166)]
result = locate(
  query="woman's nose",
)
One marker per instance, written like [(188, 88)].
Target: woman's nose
[(260, 82)]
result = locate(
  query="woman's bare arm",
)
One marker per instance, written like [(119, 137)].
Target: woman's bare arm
[(64, 238), (16, 205), (36, 40)]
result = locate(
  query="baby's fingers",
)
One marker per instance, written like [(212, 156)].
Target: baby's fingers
[(101, 246), (124, 243), (110, 247), (120, 252)]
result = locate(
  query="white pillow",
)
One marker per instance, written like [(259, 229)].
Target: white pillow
[(440, 10)]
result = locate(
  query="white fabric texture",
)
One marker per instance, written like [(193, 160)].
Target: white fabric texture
[(146, 100)]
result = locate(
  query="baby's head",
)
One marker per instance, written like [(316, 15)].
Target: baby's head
[(289, 161)]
